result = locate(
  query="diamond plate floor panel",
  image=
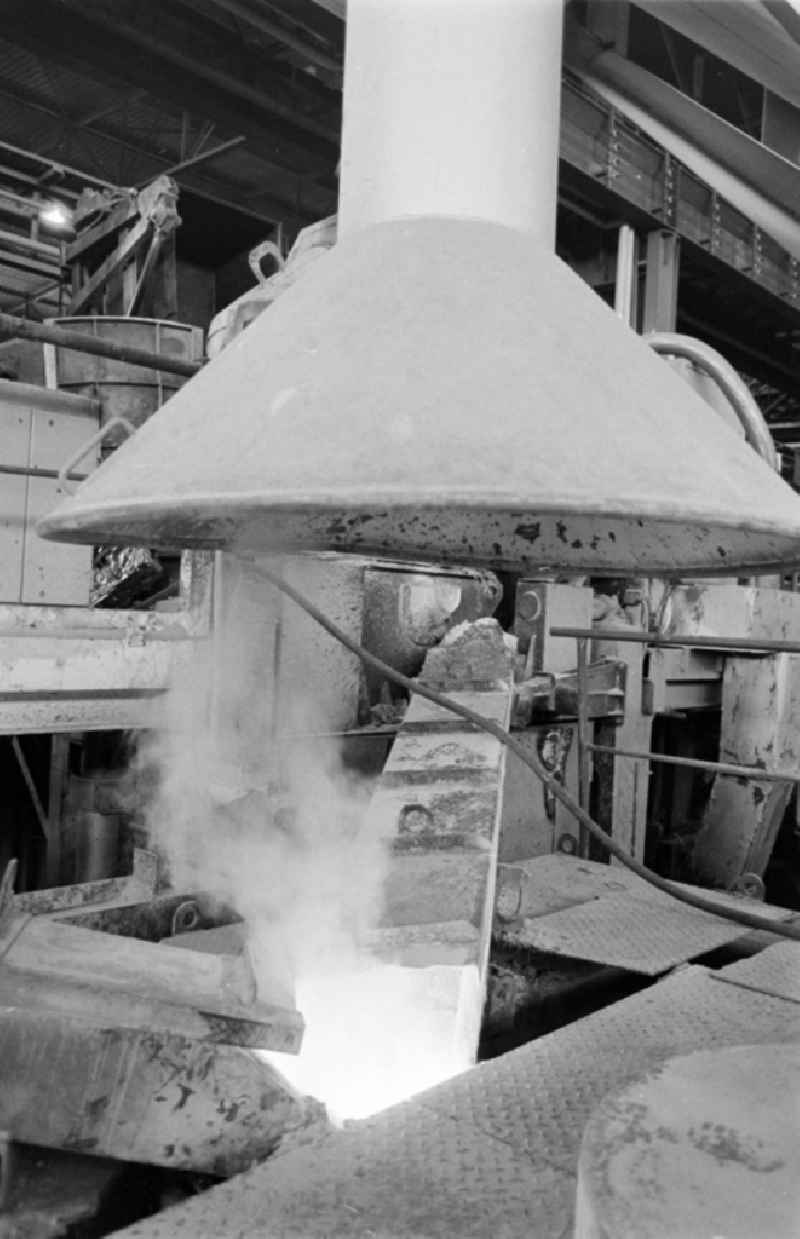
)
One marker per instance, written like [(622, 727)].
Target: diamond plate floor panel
[(624, 932), (539, 1097), (775, 971), (604, 914), (557, 881), (491, 1154)]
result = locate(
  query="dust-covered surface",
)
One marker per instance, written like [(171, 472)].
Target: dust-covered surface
[(491, 1153), (707, 1144), (386, 405)]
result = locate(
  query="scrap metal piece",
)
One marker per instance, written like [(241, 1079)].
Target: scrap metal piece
[(113, 1045)]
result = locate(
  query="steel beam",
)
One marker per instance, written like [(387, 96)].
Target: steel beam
[(258, 20), (200, 157), (218, 79), (89, 38), (656, 188), (279, 207), (626, 285), (662, 268), (51, 166)]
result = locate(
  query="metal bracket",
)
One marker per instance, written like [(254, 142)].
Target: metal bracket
[(96, 439), (751, 885), (266, 248), (545, 694)]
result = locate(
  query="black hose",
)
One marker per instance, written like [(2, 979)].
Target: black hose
[(750, 919)]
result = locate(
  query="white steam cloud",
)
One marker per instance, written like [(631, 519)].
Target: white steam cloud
[(280, 831)]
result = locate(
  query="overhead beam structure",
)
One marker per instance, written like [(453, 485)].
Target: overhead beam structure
[(296, 130)]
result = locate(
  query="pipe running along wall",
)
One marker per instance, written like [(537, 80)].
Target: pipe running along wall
[(79, 342)]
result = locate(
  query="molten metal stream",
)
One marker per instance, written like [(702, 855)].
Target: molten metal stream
[(749, 919)]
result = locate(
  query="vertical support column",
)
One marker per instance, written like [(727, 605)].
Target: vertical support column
[(623, 783), (130, 278), (660, 313), (662, 268), (760, 697), (59, 771), (164, 294), (626, 293), (584, 758)]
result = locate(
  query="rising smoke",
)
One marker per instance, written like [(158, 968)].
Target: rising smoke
[(280, 830)]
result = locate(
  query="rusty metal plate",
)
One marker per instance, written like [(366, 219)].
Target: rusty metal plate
[(491, 1153)]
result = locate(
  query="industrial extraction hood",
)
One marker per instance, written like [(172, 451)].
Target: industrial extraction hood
[(440, 385)]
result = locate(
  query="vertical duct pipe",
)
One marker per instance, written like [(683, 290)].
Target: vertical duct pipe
[(451, 108)]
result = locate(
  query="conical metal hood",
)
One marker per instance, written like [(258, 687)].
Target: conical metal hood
[(447, 389)]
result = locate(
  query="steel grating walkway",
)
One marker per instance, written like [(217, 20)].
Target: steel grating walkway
[(492, 1153)]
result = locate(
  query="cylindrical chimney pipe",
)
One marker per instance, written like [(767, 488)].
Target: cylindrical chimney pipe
[(451, 107)]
